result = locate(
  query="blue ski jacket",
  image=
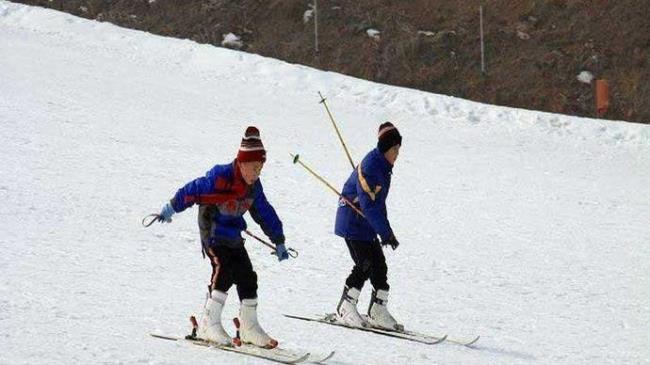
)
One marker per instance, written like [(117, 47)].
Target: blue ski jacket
[(228, 197), (367, 188)]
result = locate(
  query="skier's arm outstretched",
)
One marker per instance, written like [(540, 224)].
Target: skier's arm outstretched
[(187, 196)]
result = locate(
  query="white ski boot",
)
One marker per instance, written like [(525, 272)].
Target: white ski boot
[(250, 330), (378, 315), (347, 309), (210, 327)]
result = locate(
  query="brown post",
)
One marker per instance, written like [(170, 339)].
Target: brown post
[(602, 97)]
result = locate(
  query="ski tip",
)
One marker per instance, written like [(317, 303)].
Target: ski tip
[(322, 360), (441, 339), (472, 342), (304, 357)]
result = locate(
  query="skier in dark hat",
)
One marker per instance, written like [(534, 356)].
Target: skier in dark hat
[(367, 188)]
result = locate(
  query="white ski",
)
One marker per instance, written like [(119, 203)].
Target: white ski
[(447, 339), (331, 319), (313, 358), (279, 355)]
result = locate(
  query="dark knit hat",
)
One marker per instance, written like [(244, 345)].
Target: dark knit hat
[(251, 148), (388, 137)]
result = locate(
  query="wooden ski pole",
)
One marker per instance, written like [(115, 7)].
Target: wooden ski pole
[(338, 133), (153, 218), (296, 159), (293, 253)]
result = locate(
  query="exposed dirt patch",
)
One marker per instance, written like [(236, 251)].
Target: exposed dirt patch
[(534, 49)]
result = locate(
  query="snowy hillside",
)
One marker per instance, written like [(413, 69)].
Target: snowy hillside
[(527, 228)]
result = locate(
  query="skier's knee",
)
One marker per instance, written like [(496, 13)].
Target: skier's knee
[(248, 280)]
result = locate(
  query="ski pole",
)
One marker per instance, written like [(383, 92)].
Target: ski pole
[(296, 159), (293, 253), (158, 218), (324, 102)]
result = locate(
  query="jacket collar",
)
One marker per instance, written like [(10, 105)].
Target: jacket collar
[(236, 173), (382, 162)]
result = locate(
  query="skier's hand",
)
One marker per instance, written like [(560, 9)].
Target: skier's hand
[(392, 242), (281, 252), (166, 213)]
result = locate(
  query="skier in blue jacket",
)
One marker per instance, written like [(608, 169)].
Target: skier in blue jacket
[(367, 188), (224, 194)]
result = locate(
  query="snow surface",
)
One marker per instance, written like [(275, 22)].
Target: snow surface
[(530, 229), (373, 33), (585, 77), (231, 40), (309, 13)]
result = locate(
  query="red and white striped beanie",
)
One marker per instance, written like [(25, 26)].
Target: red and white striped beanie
[(251, 148)]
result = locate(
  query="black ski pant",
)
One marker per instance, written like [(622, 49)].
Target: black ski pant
[(369, 263), (232, 266)]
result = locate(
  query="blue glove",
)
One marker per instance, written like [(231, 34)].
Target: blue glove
[(166, 213), (281, 252)]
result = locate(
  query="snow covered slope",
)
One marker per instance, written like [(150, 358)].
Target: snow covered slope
[(527, 228)]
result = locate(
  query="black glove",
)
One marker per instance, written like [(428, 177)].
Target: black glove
[(392, 242)]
